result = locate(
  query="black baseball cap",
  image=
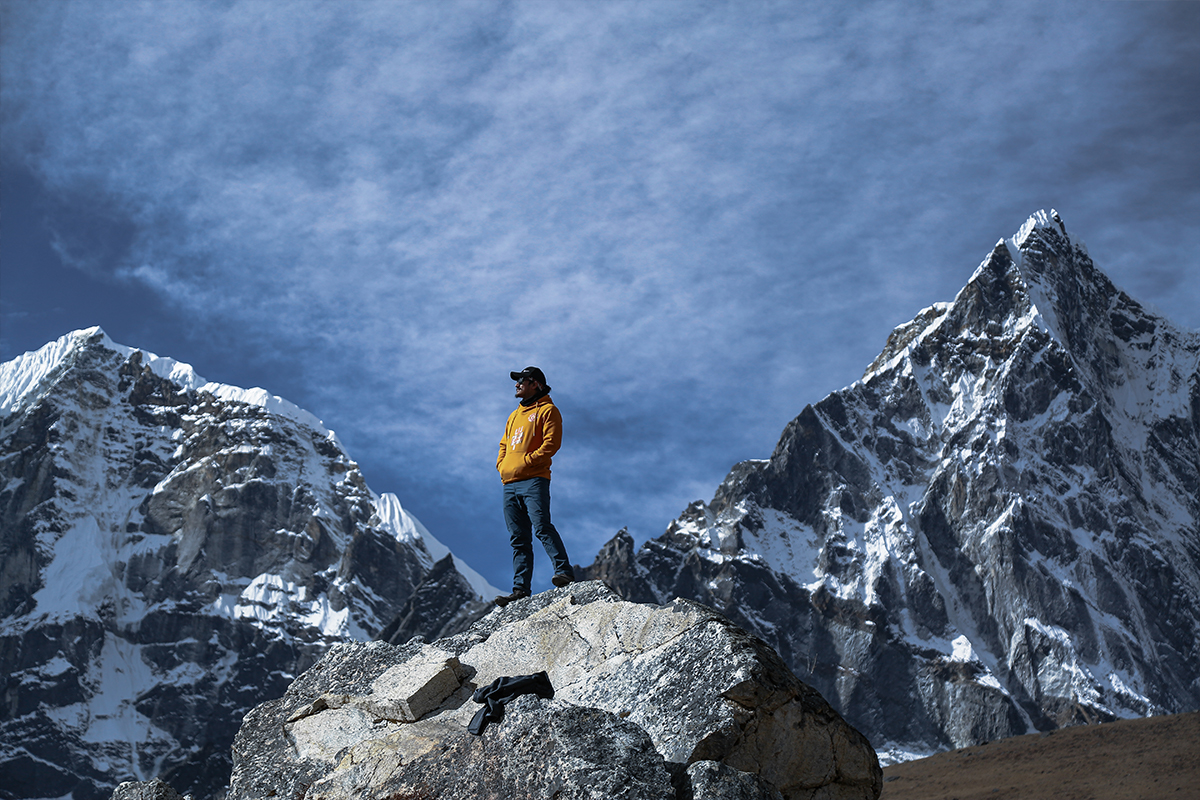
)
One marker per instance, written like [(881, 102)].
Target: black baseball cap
[(533, 373)]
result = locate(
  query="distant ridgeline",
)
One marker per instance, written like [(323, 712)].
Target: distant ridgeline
[(996, 530), (172, 553)]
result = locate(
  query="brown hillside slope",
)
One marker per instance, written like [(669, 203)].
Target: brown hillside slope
[(1157, 758)]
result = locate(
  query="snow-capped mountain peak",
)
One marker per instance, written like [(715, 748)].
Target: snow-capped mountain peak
[(23, 378), (996, 529), (1039, 221), (175, 550)]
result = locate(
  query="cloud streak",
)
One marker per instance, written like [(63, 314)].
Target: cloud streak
[(695, 217)]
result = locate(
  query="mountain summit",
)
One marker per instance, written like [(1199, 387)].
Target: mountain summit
[(174, 552), (996, 530)]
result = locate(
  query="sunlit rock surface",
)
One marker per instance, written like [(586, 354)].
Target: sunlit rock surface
[(642, 694)]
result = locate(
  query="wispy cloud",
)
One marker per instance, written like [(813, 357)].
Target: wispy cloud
[(696, 216)]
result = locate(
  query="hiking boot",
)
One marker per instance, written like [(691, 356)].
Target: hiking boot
[(517, 594), (562, 580)]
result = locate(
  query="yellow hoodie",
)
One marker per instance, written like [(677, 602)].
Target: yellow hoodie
[(531, 437)]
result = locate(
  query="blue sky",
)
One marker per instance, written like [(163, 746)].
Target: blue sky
[(695, 217)]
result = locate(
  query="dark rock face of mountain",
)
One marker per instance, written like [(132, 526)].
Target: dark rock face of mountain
[(443, 604), (996, 530), (171, 554), (649, 702), (154, 789)]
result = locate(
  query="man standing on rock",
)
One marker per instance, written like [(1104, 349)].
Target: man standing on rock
[(531, 438)]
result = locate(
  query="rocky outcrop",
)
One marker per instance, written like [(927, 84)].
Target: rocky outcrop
[(649, 702), (542, 749), (155, 789), (996, 530), (172, 553)]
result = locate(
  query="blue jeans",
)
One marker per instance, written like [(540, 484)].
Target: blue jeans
[(527, 513)]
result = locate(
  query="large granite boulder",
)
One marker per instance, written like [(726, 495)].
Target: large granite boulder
[(542, 749), (650, 702)]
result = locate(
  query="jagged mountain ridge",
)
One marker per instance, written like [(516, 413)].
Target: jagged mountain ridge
[(173, 553), (996, 530)]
